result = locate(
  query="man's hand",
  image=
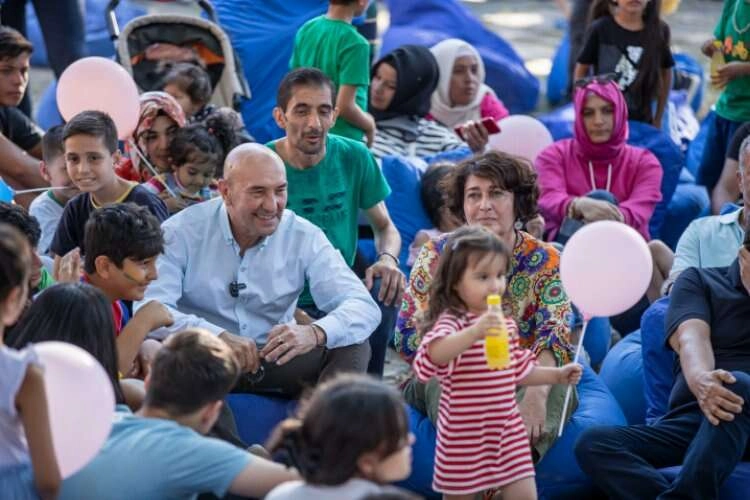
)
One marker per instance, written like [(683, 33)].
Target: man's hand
[(535, 227), (716, 401), (174, 204), (245, 350), (286, 342), (708, 48), (68, 267), (146, 355), (154, 315), (533, 408), (392, 280)]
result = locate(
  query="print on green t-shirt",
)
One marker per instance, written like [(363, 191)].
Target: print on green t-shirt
[(331, 193), (734, 102), (338, 50)]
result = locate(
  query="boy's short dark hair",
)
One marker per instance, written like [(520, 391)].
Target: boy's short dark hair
[(18, 217), (121, 231), (52, 144), (94, 123), (302, 77), (191, 79), (192, 369), (13, 43)]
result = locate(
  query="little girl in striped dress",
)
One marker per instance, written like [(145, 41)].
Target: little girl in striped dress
[(481, 440)]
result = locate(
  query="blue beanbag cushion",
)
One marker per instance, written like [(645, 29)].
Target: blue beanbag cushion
[(423, 456), (557, 81), (427, 22), (689, 202), (658, 360), (256, 416), (697, 145), (405, 202), (558, 475), (597, 339), (622, 372)]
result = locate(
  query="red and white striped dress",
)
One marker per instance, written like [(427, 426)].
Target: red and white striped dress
[(481, 440)]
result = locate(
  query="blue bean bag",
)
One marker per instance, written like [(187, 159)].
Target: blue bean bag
[(256, 416), (558, 79), (557, 475), (689, 64), (597, 339), (658, 360), (697, 145), (689, 202), (622, 372), (98, 42), (427, 22)]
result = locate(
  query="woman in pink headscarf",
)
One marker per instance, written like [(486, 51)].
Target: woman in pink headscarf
[(596, 175), (160, 116)]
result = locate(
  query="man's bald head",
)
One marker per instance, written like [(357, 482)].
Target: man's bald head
[(254, 191), (250, 155)]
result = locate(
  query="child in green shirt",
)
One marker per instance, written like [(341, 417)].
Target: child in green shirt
[(331, 44)]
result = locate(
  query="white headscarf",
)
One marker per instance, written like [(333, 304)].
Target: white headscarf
[(446, 53)]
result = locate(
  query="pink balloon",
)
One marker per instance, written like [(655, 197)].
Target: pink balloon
[(522, 136), (605, 268), (81, 403), (99, 84)]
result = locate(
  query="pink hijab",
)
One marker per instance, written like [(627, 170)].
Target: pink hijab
[(607, 151)]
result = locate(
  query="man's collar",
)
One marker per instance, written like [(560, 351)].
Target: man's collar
[(732, 217)]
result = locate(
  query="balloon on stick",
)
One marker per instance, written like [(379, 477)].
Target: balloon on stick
[(99, 84), (605, 269), (81, 403), (521, 135)]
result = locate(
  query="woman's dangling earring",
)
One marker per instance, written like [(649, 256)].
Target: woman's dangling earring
[(518, 225)]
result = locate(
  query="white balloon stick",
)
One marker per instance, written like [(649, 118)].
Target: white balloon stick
[(570, 387)]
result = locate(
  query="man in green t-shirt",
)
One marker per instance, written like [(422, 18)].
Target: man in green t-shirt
[(331, 44), (330, 179)]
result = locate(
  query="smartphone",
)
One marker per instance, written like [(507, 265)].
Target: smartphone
[(489, 123)]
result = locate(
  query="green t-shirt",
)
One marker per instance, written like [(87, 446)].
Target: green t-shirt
[(338, 50), (331, 193), (734, 101)]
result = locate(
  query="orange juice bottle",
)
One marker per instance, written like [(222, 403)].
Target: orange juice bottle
[(497, 345), (717, 59)]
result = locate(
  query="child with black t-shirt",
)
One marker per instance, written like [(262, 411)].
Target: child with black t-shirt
[(627, 38), (90, 142)]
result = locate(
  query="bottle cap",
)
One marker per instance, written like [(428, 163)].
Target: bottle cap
[(493, 300)]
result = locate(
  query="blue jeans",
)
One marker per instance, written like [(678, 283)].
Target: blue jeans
[(624, 460), (381, 337), (715, 151)]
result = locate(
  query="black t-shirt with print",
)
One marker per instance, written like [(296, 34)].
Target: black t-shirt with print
[(610, 48), (19, 129), (69, 234)]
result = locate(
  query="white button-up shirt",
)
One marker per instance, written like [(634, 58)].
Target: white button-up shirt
[(201, 258)]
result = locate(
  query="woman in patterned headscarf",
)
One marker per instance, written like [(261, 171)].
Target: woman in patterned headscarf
[(161, 115), (499, 192)]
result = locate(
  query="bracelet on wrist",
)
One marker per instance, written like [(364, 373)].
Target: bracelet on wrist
[(320, 335), (393, 257)]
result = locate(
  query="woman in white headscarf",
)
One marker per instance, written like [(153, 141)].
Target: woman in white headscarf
[(462, 99)]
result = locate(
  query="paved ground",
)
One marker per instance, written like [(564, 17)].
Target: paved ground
[(534, 28)]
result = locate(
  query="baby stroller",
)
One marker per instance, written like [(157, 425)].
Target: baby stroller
[(148, 44)]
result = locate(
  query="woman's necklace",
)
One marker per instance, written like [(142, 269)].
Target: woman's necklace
[(734, 19)]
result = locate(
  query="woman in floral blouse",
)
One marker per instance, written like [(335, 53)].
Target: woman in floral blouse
[(500, 192)]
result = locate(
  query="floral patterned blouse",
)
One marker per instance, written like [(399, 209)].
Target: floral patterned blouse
[(534, 297)]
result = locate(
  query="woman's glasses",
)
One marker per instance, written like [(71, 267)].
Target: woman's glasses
[(605, 78)]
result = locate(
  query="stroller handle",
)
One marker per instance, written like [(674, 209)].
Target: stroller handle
[(114, 29)]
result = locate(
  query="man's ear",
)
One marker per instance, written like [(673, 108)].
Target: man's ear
[(43, 171), (279, 118)]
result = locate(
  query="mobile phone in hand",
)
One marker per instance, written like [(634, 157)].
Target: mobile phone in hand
[(489, 123)]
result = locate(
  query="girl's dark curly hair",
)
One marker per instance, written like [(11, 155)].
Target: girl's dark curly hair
[(508, 172), (343, 419)]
